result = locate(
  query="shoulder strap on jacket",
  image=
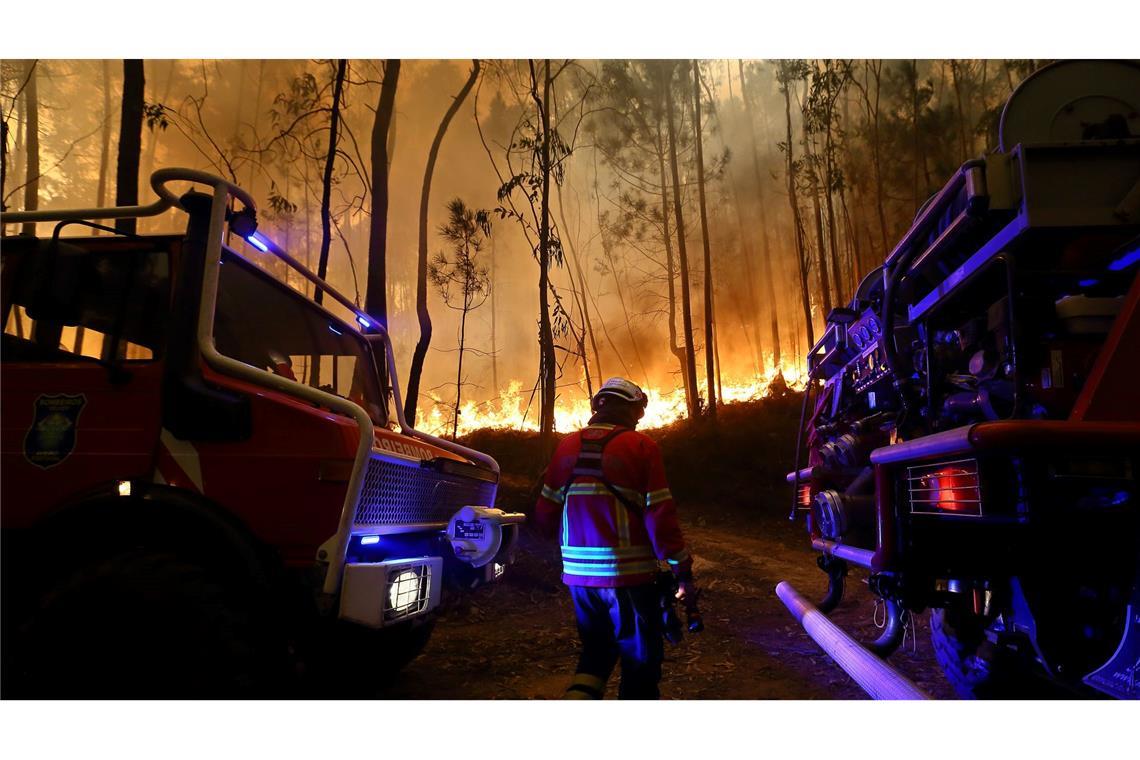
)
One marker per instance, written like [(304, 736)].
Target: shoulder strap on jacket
[(589, 464)]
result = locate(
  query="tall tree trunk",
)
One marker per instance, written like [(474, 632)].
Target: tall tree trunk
[(3, 164), (876, 154), (420, 353), (105, 142), (326, 202), (769, 282), (19, 154), (829, 205), (682, 250), (582, 296), (495, 387), (327, 175), (674, 346), (130, 141), (793, 203), (376, 289), (710, 361), (817, 214), (956, 73), (546, 364), (32, 141), (919, 153), (459, 369)]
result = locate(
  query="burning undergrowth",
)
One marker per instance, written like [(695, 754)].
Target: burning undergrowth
[(737, 462)]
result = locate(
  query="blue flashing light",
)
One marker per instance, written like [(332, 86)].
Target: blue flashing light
[(1125, 261), (1088, 283), (257, 243), (335, 331), (369, 540), (364, 321)]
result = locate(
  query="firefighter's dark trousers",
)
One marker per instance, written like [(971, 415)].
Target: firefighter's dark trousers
[(618, 623)]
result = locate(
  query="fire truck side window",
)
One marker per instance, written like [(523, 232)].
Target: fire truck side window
[(72, 304), (264, 323)]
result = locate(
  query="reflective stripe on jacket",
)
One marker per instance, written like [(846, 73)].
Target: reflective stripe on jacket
[(605, 542)]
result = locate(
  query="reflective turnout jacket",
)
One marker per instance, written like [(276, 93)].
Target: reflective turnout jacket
[(611, 539)]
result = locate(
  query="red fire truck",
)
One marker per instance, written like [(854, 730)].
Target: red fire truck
[(204, 489), (972, 423)]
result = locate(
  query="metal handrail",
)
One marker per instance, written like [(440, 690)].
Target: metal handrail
[(334, 550)]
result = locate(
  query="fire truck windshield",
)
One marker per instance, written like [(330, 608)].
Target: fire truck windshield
[(268, 325)]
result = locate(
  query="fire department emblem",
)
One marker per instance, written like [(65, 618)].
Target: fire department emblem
[(51, 438)]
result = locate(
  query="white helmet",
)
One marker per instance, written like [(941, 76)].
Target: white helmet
[(622, 389)]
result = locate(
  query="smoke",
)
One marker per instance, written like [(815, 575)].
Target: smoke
[(221, 115)]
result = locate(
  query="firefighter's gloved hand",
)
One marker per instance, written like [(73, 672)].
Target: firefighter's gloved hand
[(687, 595)]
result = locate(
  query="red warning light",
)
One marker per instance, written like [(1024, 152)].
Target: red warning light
[(950, 488)]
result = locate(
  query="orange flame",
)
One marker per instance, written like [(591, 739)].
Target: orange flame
[(517, 408)]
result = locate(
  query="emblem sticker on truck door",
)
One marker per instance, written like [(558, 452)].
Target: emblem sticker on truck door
[(51, 438)]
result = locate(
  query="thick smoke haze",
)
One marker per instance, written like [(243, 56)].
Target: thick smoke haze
[(870, 140)]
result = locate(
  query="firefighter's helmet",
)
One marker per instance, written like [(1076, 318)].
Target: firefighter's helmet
[(623, 390)]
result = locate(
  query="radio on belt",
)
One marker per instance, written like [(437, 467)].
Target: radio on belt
[(479, 534)]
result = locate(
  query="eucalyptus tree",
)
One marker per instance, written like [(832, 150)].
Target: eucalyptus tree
[(532, 165), (422, 314), (630, 128), (698, 141), (376, 293), (788, 74)]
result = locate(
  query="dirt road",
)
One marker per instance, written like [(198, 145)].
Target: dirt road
[(516, 639)]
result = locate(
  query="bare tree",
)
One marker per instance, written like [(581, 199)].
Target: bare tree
[(105, 142), (376, 295), (327, 181), (788, 72), (32, 143), (130, 141), (682, 249), (424, 317), (710, 362), (769, 280)]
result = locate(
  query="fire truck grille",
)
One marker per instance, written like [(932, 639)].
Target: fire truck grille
[(396, 494)]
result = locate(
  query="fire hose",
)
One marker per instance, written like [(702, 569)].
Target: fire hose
[(874, 676)]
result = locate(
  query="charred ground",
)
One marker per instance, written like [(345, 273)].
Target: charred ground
[(517, 639)]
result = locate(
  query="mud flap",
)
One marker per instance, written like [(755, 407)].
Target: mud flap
[(1120, 676)]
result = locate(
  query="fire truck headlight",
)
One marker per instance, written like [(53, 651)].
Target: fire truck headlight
[(407, 592)]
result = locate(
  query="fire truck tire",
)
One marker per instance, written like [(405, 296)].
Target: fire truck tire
[(974, 667), (356, 661), (960, 654), (146, 624)]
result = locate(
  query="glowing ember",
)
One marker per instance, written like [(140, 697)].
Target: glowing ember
[(517, 408)]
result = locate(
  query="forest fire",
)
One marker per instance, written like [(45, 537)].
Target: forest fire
[(516, 407)]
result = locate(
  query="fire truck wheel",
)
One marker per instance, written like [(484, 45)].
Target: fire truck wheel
[(959, 651), (973, 665), (356, 661), (142, 625)]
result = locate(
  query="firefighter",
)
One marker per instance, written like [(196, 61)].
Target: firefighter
[(606, 495)]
